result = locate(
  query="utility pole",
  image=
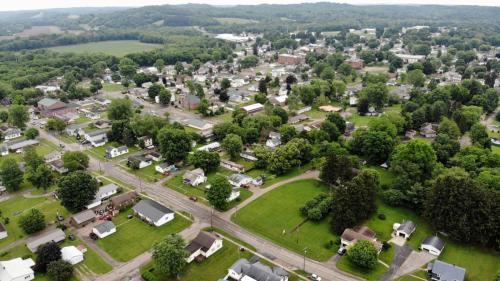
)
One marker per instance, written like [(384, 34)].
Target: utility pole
[(305, 253)]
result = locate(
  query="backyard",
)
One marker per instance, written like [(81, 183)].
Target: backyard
[(133, 236), (147, 173), (266, 216)]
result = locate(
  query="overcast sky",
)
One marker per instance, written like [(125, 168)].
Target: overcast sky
[(12, 5)]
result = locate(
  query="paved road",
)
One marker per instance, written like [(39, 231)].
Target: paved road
[(203, 216)]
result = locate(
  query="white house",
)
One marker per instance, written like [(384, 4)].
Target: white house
[(254, 270), (239, 180), (164, 168), (404, 229), (97, 138), (112, 152), (433, 245), (143, 161), (230, 165), (203, 246), (104, 229), (194, 177), (72, 255), (214, 146), (103, 193), (11, 133), (153, 212), (274, 140), (3, 232), (17, 270), (235, 193)]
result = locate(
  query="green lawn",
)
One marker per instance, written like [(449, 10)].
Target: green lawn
[(82, 119), (109, 87), (272, 179), (133, 236), (100, 152), (116, 48), (17, 206), (345, 264), (387, 255), (276, 216), (409, 277), (148, 173)]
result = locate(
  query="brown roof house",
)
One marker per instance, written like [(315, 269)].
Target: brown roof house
[(124, 200), (203, 246), (51, 107), (83, 218), (350, 236)]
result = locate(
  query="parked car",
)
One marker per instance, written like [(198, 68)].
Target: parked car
[(193, 198), (314, 277), (93, 236), (342, 251), (71, 237)]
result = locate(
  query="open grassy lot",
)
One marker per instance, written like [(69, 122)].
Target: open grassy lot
[(133, 236), (148, 173), (17, 206), (345, 264), (115, 48), (100, 152), (109, 87), (276, 216), (272, 179)]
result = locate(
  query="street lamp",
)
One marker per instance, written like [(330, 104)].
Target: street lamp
[(305, 253)]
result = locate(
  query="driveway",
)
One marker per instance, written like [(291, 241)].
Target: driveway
[(400, 255), (415, 261)]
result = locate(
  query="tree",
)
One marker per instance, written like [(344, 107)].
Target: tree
[(473, 159), (471, 220), (75, 160), (416, 78), (445, 147), (18, 116), (354, 202), (336, 119), (225, 84), (155, 90), (120, 109), (11, 175), (41, 177), (174, 144), (466, 117), (47, 254), (54, 124), (169, 255), (338, 169), (219, 192), (32, 222), (31, 133), (76, 190), (165, 97), (208, 161), (479, 136), (375, 146), (376, 94), (262, 86), (4, 116), (233, 145), (159, 64), (331, 129), (449, 127), (287, 133), (31, 158), (127, 68), (290, 155), (363, 254), (60, 270)]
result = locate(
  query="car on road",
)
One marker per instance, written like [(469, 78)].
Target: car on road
[(193, 198), (314, 277)]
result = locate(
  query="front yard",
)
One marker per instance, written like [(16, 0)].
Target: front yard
[(148, 173), (345, 264), (276, 216), (100, 152), (133, 236)]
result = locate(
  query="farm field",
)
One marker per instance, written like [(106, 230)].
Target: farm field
[(116, 48), (133, 236), (265, 216)]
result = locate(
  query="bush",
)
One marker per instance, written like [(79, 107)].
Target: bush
[(386, 246), (381, 217), (148, 276), (33, 222), (393, 197), (363, 254), (60, 270), (317, 208)]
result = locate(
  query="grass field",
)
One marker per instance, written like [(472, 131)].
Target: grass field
[(108, 87), (235, 21), (272, 179), (276, 216), (133, 236), (116, 48), (148, 173), (100, 152), (345, 264)]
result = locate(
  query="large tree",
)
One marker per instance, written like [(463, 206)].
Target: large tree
[(363, 254), (219, 192), (31, 158), (175, 144), (11, 175), (338, 121), (32, 222), (233, 145), (479, 136), (208, 161), (75, 160), (60, 270), (354, 202), (169, 255), (120, 109), (41, 177), (46, 254), (445, 147), (338, 169), (76, 190), (18, 116)]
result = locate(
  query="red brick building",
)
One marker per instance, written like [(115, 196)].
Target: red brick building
[(50, 108), (355, 63)]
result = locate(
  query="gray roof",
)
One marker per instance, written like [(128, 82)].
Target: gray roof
[(151, 209), (96, 133), (106, 189), (84, 216), (105, 227), (56, 235), (258, 271), (140, 158), (238, 177), (446, 271), (120, 148), (47, 102), (203, 241), (21, 144), (434, 241), (407, 227)]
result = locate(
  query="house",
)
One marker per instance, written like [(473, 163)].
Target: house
[(253, 108), (286, 59), (76, 129), (164, 168), (355, 63), (104, 229), (298, 118), (102, 124), (253, 269), (428, 130), (142, 161), (53, 156), (125, 199), (248, 155), (11, 133), (198, 124), (103, 193), (112, 152), (274, 140), (51, 107), (239, 180), (194, 177), (442, 271), (411, 58), (97, 138), (189, 101), (258, 181), (230, 165), (278, 100), (404, 229), (146, 141), (330, 108), (17, 269), (153, 155), (203, 246), (58, 166), (72, 255), (350, 236), (214, 146), (82, 219), (3, 231), (4, 150), (55, 235), (433, 245), (153, 212), (21, 144)]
